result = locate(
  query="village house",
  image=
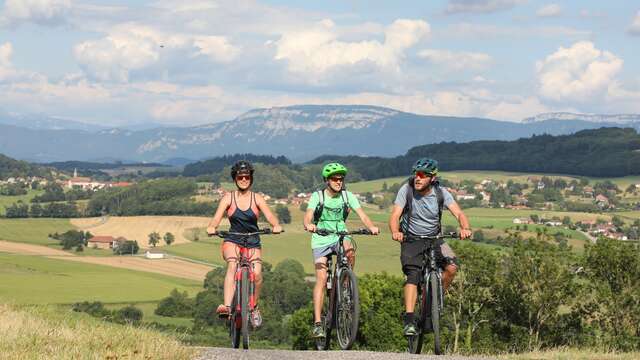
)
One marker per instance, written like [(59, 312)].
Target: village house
[(587, 191), (101, 242), (602, 200), (522, 221)]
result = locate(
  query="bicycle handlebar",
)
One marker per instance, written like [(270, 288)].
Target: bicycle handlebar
[(223, 234), (325, 232), (451, 235)]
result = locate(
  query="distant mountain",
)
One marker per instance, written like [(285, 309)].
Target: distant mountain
[(298, 132), (43, 122), (622, 119)]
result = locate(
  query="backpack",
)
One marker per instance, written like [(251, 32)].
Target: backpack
[(346, 209), (408, 206)]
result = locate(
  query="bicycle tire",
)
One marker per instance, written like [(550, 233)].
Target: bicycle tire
[(245, 308), (234, 323), (435, 313), (347, 309), (326, 319), (415, 342)]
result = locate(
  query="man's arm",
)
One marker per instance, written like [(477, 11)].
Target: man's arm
[(465, 228), (307, 221), (394, 223), (366, 221)]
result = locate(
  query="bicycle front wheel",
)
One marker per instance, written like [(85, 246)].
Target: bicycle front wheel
[(348, 309), (434, 289), (234, 322), (420, 313), (245, 308)]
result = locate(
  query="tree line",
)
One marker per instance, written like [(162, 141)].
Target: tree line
[(604, 152)]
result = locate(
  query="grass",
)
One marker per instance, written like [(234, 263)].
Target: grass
[(46, 333), (571, 354), (39, 280), (32, 231)]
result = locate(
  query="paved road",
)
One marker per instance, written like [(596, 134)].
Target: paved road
[(233, 354)]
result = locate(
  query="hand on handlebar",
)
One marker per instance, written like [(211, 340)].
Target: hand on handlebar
[(398, 236), (211, 230), (374, 230), (310, 228), (277, 229), (465, 233)]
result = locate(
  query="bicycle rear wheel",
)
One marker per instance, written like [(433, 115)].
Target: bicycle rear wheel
[(348, 309), (420, 313), (245, 308), (326, 319), (434, 289)]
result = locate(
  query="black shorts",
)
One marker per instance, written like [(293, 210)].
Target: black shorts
[(411, 259)]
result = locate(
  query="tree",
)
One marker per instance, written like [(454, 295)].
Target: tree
[(535, 218), (168, 238), (127, 247), (154, 238), (283, 214), (177, 304)]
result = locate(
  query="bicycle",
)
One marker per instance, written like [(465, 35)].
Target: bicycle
[(341, 309), (430, 294), (244, 301)]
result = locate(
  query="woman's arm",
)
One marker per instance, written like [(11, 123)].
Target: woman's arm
[(224, 204), (272, 219)]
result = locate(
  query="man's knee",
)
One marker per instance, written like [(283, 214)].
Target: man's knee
[(450, 271), (413, 275)]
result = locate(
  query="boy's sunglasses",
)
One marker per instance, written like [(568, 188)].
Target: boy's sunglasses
[(243, 177)]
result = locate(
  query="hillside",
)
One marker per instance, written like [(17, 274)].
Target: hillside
[(600, 152), (14, 168), (298, 132)]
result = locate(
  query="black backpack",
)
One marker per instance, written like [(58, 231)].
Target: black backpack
[(408, 206), (317, 212)]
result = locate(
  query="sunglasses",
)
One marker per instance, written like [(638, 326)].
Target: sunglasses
[(423, 175), (243, 177), (336, 178)]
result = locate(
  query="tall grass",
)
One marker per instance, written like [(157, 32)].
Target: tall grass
[(46, 333), (572, 354)]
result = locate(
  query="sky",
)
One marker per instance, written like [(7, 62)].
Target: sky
[(189, 62)]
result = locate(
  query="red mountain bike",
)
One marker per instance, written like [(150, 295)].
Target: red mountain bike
[(244, 301)]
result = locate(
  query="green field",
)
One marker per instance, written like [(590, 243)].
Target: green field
[(32, 231), (9, 200), (39, 280)]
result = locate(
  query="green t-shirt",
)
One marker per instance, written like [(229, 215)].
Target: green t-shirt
[(331, 218)]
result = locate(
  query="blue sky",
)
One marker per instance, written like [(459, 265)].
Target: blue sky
[(187, 62)]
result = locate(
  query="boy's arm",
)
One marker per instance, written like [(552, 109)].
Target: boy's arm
[(366, 221)]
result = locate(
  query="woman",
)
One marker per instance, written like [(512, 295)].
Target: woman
[(243, 210)]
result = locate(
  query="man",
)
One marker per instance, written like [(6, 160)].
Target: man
[(424, 219), (328, 209)]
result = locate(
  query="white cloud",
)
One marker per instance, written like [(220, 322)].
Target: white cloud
[(480, 6), (634, 29), (318, 49), (42, 12), (551, 10), (456, 60), (130, 47), (517, 109), (578, 73)]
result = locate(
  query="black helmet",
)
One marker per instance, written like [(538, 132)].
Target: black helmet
[(241, 166)]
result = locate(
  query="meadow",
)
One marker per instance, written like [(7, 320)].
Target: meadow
[(9, 200), (40, 280)]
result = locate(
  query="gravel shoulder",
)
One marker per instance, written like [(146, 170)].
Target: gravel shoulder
[(234, 354)]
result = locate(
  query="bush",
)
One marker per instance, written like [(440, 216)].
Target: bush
[(128, 315), (177, 304)]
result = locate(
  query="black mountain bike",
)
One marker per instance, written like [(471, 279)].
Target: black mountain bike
[(244, 301), (341, 307), (430, 302)]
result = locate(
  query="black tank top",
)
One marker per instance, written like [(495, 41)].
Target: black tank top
[(244, 221)]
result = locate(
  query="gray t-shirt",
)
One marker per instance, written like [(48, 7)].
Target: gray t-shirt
[(424, 214)]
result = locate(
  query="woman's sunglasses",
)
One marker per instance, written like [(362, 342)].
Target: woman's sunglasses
[(243, 177)]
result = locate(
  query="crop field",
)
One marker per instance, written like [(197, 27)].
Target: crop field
[(139, 227), (40, 280)]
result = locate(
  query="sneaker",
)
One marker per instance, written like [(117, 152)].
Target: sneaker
[(256, 317), (318, 330), (223, 311), (410, 329)]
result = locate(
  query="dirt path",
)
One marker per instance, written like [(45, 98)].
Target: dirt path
[(171, 267), (236, 354), (29, 249)]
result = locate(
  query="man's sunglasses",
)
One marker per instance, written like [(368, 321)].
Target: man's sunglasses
[(336, 178), (423, 175), (243, 177)]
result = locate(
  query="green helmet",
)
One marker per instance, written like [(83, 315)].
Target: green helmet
[(332, 169), (426, 165)]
